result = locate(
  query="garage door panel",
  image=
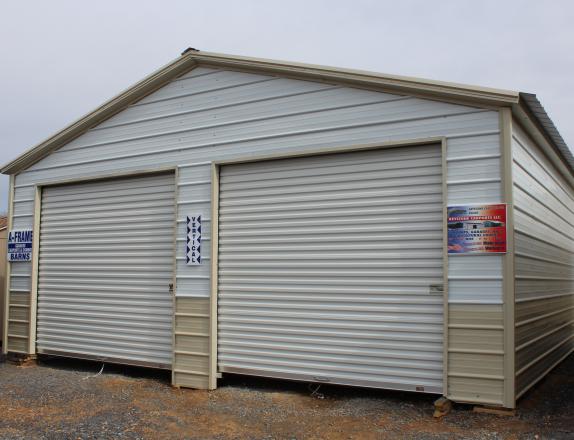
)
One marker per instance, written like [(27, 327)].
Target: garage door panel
[(367, 247), (344, 167), (83, 197), (118, 209), (125, 321), (427, 206), (331, 231), (348, 204), (360, 316), (367, 182), (332, 372), (106, 203), (97, 187), (112, 311), (386, 333), (340, 272), (77, 250), (380, 360), (108, 304), (337, 341), (126, 218), (102, 295), (404, 296), (105, 265), (110, 225), (373, 197), (351, 290), (326, 266), (129, 353), (333, 220), (400, 158), (295, 263)]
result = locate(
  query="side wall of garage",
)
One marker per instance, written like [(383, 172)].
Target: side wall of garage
[(544, 237), (210, 114)]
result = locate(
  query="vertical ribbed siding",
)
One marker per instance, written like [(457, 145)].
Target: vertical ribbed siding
[(326, 268), (106, 259), (544, 241)]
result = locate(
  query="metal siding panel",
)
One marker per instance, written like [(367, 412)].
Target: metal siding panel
[(191, 356), (476, 316), (544, 226), (476, 352), (106, 259), (314, 261), (358, 116), (475, 279)]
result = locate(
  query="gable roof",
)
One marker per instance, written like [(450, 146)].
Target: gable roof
[(191, 58)]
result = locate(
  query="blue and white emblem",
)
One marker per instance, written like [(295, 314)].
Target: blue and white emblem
[(193, 243)]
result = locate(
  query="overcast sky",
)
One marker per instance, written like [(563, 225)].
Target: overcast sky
[(60, 59)]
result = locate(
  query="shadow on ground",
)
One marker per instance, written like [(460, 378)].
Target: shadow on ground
[(61, 399)]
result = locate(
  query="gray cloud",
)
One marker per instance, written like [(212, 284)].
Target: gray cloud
[(60, 59)]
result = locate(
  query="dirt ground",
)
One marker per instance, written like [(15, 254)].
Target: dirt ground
[(62, 399)]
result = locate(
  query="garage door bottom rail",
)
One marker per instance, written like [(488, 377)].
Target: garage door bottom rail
[(333, 380), (107, 360)]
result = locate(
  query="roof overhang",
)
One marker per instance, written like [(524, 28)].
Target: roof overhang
[(439, 90)]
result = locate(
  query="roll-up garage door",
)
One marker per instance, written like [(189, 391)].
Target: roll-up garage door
[(331, 268), (106, 263)]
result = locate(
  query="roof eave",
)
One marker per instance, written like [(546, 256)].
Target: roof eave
[(532, 117), (190, 59), (404, 84)]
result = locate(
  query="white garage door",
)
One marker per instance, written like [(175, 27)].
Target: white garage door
[(106, 262), (331, 268)]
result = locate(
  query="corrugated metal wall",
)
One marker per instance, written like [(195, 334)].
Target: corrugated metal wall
[(327, 266), (544, 237), (211, 114), (106, 263)]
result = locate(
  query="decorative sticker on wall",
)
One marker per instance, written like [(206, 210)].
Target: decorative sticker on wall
[(193, 243), (477, 229), (20, 245)]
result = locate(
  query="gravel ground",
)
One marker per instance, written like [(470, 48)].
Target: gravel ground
[(62, 399)]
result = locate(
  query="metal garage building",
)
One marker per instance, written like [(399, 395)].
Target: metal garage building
[(239, 215)]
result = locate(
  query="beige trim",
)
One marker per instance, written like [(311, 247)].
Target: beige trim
[(390, 82), (470, 95), (8, 267), (445, 339), (213, 337), (35, 260), (508, 258), (174, 276), (373, 87)]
